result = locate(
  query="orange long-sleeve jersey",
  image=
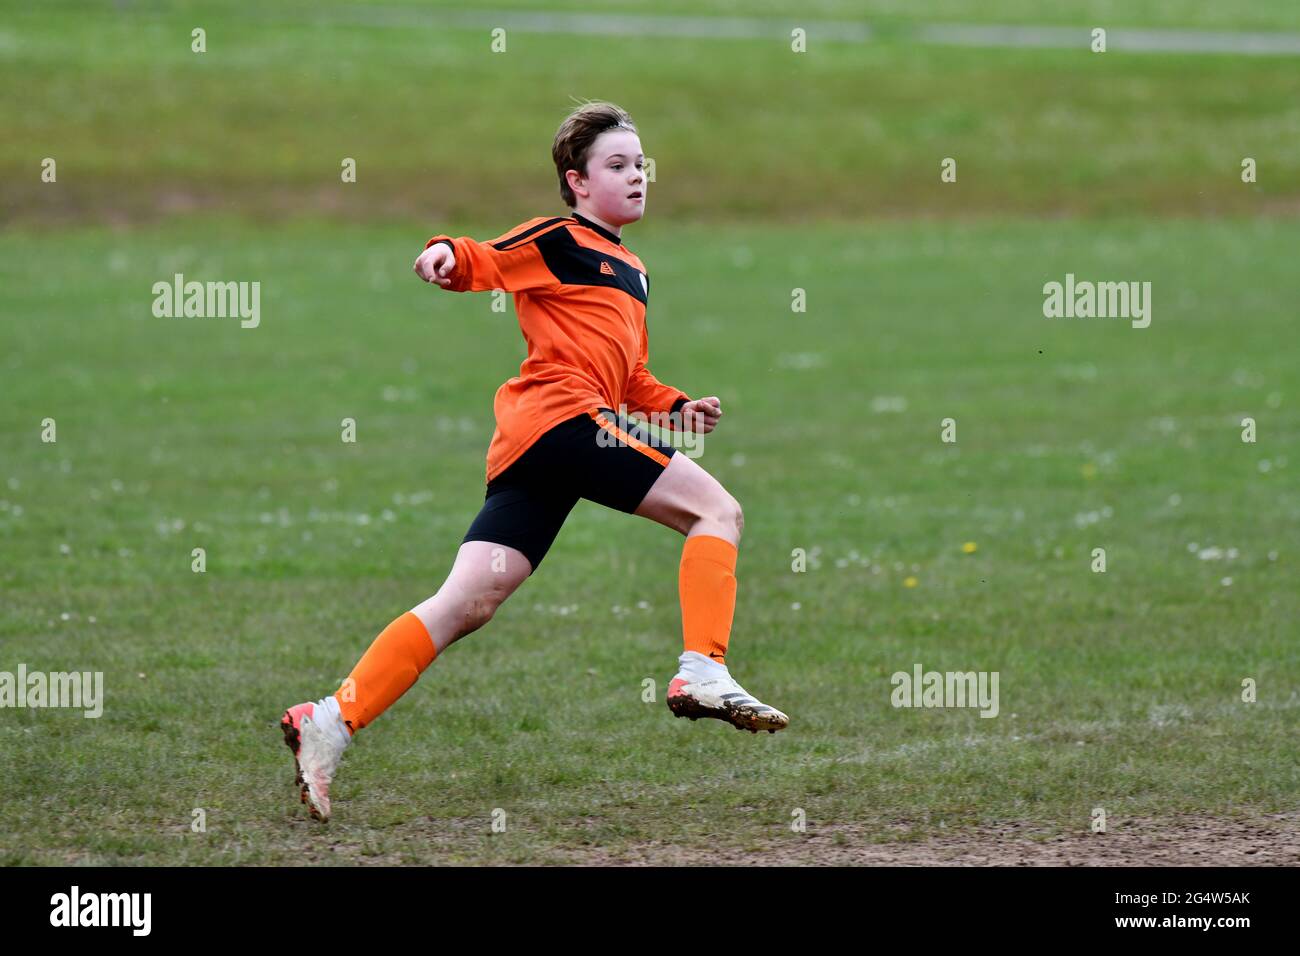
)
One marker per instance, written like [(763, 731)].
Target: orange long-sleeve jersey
[(580, 296)]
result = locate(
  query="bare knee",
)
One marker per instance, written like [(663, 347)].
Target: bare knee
[(732, 515), (721, 516), (478, 608), (474, 613)]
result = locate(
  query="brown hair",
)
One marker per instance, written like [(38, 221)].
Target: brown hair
[(576, 134)]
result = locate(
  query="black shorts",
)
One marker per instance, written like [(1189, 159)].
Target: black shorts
[(582, 457)]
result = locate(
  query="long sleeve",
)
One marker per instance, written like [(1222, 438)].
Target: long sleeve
[(645, 393), (511, 262)]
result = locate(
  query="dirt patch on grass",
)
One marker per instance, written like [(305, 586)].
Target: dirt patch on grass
[(1268, 840), (1255, 840)]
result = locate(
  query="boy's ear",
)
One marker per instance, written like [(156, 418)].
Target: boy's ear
[(574, 179)]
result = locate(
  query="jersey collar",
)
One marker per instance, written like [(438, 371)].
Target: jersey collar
[(597, 228)]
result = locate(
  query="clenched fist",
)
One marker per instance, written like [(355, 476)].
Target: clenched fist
[(436, 263), (701, 415)]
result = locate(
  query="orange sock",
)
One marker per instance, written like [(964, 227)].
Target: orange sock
[(386, 671), (707, 585)]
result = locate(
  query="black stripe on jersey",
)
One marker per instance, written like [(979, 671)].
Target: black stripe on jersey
[(511, 241), (574, 264)]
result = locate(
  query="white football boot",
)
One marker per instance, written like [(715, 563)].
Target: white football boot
[(317, 736), (705, 688)]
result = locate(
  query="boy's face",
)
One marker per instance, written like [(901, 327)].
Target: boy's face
[(615, 183)]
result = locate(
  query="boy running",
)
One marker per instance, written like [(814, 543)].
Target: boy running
[(562, 434)]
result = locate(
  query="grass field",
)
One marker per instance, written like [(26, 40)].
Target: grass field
[(740, 129), (1120, 690)]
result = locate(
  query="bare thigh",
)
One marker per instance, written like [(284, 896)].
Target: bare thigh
[(688, 499), (482, 577)]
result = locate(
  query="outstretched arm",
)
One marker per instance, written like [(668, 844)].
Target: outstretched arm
[(511, 263)]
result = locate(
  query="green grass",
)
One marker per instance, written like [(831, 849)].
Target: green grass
[(1169, 14), (1118, 690), (440, 126), (774, 172)]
